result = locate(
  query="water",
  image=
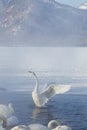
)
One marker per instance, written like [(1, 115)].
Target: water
[(69, 108)]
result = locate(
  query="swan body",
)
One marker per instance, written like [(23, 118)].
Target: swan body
[(6, 113), (37, 127), (41, 98), (62, 127)]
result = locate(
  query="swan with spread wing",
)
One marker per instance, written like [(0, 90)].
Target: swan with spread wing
[(41, 98)]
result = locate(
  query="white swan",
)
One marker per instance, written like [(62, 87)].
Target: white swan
[(52, 125), (41, 98), (6, 113)]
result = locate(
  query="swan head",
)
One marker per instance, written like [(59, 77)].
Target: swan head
[(53, 124), (31, 72)]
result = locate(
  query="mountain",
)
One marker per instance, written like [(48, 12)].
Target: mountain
[(83, 6), (42, 23), (1, 5)]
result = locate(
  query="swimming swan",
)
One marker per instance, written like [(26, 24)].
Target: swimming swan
[(42, 127), (6, 113), (41, 98), (57, 126)]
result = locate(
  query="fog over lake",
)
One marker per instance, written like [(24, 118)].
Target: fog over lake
[(64, 60)]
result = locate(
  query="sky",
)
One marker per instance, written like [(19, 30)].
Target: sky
[(63, 60), (74, 3)]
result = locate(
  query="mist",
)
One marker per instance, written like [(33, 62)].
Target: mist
[(60, 60)]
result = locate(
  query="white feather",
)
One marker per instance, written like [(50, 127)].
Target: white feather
[(20, 127), (62, 127), (37, 127)]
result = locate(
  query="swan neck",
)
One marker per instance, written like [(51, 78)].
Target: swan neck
[(37, 83), (52, 123), (3, 122)]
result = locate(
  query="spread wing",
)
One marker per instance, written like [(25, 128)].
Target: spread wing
[(52, 90)]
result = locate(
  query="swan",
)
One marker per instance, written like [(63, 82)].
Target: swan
[(51, 125), (41, 98), (6, 113)]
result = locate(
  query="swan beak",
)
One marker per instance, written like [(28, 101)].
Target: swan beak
[(29, 71)]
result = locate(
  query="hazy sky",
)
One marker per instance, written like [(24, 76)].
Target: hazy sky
[(75, 3), (20, 59)]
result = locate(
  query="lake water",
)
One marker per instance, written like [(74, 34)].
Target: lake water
[(69, 108)]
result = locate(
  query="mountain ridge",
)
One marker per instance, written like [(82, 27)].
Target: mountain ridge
[(42, 23)]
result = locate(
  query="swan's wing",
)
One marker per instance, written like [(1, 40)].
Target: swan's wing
[(45, 86), (52, 90)]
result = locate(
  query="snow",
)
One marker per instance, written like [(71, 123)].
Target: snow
[(83, 6)]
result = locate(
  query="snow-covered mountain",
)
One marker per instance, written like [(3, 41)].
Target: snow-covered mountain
[(42, 23), (83, 6)]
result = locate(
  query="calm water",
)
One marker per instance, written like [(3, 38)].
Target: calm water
[(70, 108)]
